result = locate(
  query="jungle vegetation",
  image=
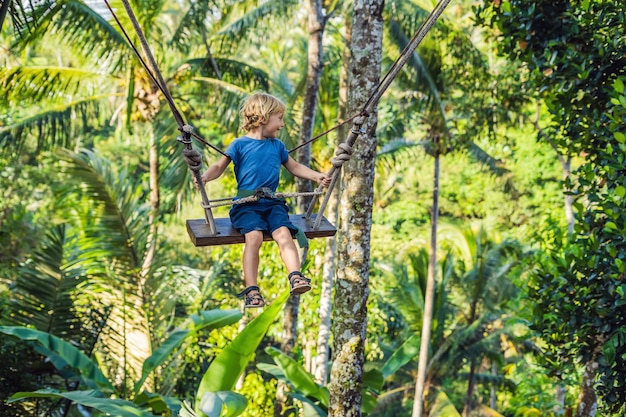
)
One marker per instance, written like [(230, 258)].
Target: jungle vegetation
[(491, 176)]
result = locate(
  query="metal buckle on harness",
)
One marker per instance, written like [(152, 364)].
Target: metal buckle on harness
[(264, 192)]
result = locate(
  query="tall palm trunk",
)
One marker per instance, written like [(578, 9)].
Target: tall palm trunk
[(323, 351), (316, 30), (353, 242), (420, 386), (314, 69)]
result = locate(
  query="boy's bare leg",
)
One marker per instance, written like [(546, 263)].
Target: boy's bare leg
[(288, 250), (250, 261)]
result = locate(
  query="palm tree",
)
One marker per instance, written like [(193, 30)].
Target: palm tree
[(426, 94), (485, 287)]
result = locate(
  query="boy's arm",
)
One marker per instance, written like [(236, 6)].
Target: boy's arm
[(215, 170), (302, 171)]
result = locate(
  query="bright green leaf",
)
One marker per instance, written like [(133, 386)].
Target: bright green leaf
[(91, 398), (298, 376), (205, 319), (226, 368), (618, 85)]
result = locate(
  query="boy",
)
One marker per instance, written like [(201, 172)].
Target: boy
[(257, 157)]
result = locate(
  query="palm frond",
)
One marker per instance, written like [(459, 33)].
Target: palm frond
[(193, 22), (116, 221), (42, 294), (50, 128), (234, 72), (495, 166), (399, 144), (78, 25), (107, 206), (28, 85), (239, 19)]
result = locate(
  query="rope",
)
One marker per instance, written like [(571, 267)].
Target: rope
[(343, 151), (230, 201), (193, 157), (393, 72)]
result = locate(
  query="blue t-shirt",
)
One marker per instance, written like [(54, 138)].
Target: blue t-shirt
[(257, 162)]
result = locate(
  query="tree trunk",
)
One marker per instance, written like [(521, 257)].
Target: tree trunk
[(353, 241), (323, 352), (326, 298), (587, 399), (420, 387), (469, 394), (314, 70), (316, 30)]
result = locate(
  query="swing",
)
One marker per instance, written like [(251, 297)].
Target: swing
[(200, 232), (210, 231)]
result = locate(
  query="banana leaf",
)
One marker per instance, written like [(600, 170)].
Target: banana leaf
[(212, 319), (298, 377), (212, 404), (66, 353), (230, 363), (90, 398), (409, 349)]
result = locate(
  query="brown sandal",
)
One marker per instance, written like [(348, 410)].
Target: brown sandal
[(299, 283), (254, 300)]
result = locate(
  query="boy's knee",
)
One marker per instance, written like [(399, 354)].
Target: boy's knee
[(281, 234), (254, 238)]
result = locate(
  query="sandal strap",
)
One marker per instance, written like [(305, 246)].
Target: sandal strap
[(247, 290), (297, 275)]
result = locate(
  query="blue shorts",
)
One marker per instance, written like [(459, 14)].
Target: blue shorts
[(266, 215)]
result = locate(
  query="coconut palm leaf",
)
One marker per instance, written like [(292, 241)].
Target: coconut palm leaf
[(117, 219), (44, 294), (48, 128), (240, 19), (78, 25), (28, 85), (194, 23), (419, 69), (496, 166), (237, 73), (107, 208)]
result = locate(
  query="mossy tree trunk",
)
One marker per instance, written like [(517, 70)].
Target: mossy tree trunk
[(353, 241)]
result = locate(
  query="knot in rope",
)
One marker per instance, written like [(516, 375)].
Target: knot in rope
[(187, 128), (342, 154), (193, 159), (360, 119)]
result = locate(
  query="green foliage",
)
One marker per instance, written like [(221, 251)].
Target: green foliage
[(230, 363), (16, 358), (74, 364), (575, 55)]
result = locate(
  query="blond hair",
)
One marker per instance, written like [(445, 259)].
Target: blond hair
[(257, 109)]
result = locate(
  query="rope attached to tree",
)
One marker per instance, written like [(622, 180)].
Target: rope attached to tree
[(343, 152)]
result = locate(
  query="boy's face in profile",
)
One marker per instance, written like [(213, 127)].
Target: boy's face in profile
[(273, 126)]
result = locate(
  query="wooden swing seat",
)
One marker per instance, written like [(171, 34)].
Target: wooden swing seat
[(200, 233)]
